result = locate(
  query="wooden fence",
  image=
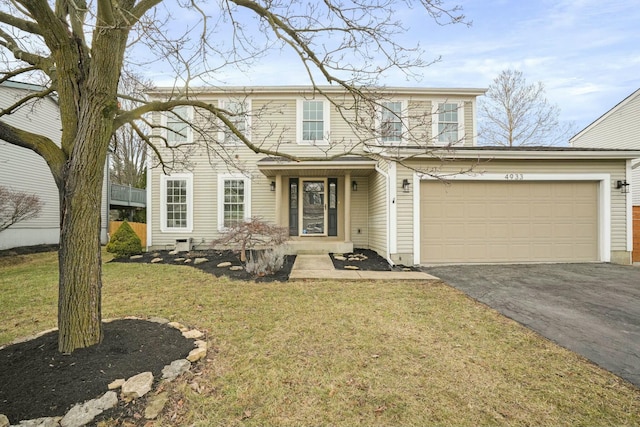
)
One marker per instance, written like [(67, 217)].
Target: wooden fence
[(139, 228)]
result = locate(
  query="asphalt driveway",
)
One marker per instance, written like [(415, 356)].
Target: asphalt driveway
[(591, 309)]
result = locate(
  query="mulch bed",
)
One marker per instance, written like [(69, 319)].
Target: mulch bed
[(214, 257), (38, 381), (371, 262)]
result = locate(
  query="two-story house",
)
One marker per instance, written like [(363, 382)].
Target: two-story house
[(403, 177), (619, 128)]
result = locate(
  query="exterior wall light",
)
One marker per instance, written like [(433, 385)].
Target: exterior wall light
[(405, 185), (354, 186), (623, 186), (272, 186)]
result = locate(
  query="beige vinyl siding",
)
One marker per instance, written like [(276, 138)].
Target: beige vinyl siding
[(469, 131), (359, 217), (377, 213), (404, 207), (616, 168), (619, 128)]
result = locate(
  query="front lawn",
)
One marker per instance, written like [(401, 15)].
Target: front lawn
[(338, 352)]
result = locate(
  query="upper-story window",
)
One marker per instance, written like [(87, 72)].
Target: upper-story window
[(449, 124), (239, 117), (313, 121), (178, 128), (391, 122)]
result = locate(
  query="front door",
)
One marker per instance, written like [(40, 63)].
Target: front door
[(313, 221)]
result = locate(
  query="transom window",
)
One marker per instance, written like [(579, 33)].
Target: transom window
[(391, 122), (178, 128), (448, 123)]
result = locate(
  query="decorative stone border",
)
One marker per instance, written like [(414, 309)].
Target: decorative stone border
[(130, 389)]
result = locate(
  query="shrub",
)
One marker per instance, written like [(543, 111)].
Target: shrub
[(252, 234), (124, 242)]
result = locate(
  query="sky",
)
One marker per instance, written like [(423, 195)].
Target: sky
[(585, 52)]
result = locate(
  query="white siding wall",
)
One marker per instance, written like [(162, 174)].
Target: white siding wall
[(23, 170), (619, 128)]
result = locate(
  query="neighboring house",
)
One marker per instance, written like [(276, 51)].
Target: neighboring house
[(619, 128), (23, 170), (497, 204)]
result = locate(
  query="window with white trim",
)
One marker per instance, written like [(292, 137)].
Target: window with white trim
[(448, 127), (391, 122), (178, 128), (177, 202), (234, 200), (313, 121), (239, 118)]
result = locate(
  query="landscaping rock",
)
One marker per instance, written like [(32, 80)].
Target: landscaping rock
[(156, 260), (84, 413), (116, 384), (179, 259), (137, 386), (178, 326), (236, 268), (173, 252), (160, 320), (156, 405), (339, 258), (351, 267), (188, 261), (41, 422), (175, 369), (136, 257), (196, 354), (199, 261), (200, 344), (224, 264), (4, 421), (193, 334)]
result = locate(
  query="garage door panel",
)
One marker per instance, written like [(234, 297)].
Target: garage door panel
[(509, 221)]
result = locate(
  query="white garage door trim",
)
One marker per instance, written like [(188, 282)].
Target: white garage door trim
[(604, 202)]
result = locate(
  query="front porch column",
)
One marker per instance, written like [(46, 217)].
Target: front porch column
[(279, 191), (347, 207)]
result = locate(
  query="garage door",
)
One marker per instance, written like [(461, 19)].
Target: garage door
[(489, 221)]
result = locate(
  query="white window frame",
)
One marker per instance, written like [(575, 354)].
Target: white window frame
[(403, 122), (247, 196), (436, 121), (223, 135), (188, 177), (187, 115), (326, 131)]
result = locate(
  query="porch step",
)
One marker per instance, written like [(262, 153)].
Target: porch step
[(299, 247)]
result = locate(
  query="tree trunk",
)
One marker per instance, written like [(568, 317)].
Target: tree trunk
[(80, 261)]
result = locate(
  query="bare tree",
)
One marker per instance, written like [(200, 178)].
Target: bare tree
[(515, 113), (16, 206), (128, 150), (77, 49)]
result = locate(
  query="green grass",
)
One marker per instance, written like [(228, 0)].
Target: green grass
[(340, 353)]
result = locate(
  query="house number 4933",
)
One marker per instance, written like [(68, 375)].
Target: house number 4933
[(514, 177)]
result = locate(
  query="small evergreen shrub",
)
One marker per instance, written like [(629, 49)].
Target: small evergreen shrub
[(124, 242)]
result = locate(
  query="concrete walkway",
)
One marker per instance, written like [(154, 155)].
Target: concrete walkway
[(321, 267)]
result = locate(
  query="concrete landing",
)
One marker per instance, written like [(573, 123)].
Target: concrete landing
[(321, 267)]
